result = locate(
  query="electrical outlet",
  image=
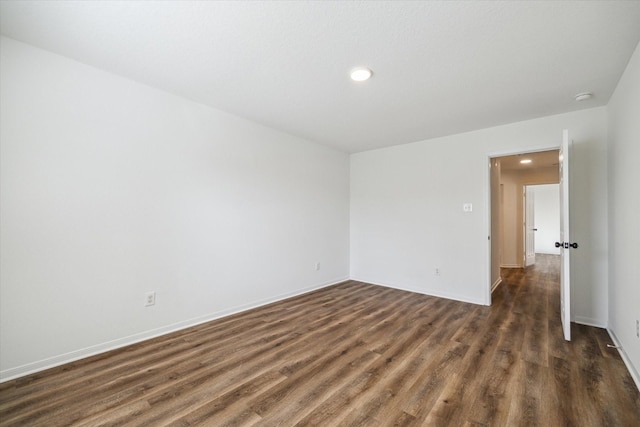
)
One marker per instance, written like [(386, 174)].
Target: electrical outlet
[(150, 299), (437, 271), (637, 328)]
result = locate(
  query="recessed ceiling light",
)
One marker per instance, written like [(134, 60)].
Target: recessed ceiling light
[(361, 74), (525, 161), (584, 96)]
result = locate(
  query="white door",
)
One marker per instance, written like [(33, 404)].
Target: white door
[(565, 241), (529, 227)]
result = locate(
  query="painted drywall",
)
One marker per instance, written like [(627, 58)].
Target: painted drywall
[(624, 207), (547, 218), (511, 220), (111, 189), (407, 217)]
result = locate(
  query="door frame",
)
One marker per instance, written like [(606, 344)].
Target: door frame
[(487, 185)]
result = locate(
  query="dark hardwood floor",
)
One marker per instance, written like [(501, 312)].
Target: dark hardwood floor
[(355, 355)]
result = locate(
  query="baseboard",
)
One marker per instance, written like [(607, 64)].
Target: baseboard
[(496, 284), (52, 362), (510, 266), (422, 291), (587, 321), (627, 361)]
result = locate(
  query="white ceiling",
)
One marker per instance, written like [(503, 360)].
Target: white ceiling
[(540, 159), (440, 68)]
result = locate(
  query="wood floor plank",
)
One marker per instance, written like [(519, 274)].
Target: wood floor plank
[(492, 402), (404, 340), (411, 370), (218, 409), (526, 409), (351, 354), (428, 386)]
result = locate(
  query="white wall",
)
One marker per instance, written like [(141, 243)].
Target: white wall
[(547, 218), (407, 218), (512, 220), (624, 211), (110, 189)]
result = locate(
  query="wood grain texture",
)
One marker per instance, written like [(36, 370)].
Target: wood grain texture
[(352, 354)]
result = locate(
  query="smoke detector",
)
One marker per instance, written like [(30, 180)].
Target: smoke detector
[(584, 96)]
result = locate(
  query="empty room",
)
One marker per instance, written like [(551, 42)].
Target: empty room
[(330, 213)]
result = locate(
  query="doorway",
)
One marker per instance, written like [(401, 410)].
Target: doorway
[(509, 177), (541, 220)]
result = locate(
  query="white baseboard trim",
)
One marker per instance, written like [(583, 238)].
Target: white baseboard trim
[(422, 291), (496, 284), (627, 361), (587, 321), (52, 362)]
